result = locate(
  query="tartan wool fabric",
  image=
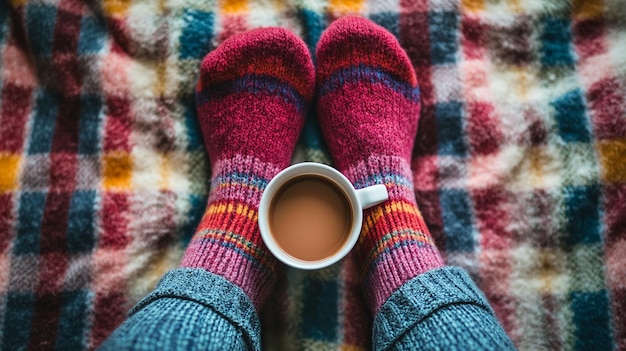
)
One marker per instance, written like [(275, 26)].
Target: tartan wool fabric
[(519, 165)]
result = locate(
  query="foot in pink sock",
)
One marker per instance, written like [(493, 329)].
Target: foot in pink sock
[(369, 108), (252, 97)]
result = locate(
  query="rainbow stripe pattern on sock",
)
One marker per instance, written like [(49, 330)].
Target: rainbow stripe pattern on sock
[(252, 98), (369, 105), (395, 243), (228, 241)]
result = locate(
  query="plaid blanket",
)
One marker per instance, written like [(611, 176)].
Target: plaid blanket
[(520, 162)]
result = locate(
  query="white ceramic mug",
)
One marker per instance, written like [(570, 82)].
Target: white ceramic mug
[(358, 200)]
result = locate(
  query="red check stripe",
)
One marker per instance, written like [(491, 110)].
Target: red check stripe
[(54, 256)]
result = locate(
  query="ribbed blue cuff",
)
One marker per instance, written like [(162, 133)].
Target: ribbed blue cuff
[(212, 291), (422, 298)]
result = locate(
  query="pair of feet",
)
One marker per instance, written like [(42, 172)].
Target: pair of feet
[(252, 98)]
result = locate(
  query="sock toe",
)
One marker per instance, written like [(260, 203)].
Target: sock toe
[(368, 97), (354, 37), (274, 52), (253, 95)]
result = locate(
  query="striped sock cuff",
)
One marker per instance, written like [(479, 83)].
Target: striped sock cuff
[(399, 248), (228, 241), (395, 244)]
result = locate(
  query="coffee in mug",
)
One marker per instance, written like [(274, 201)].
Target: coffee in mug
[(310, 215)]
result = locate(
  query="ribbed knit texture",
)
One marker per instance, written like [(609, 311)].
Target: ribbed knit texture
[(369, 109), (252, 97), (190, 309), (439, 310)]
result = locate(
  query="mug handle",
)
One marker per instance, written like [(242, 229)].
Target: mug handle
[(372, 195)]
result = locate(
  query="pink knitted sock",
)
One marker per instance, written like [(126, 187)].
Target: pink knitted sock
[(368, 109), (252, 97)]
